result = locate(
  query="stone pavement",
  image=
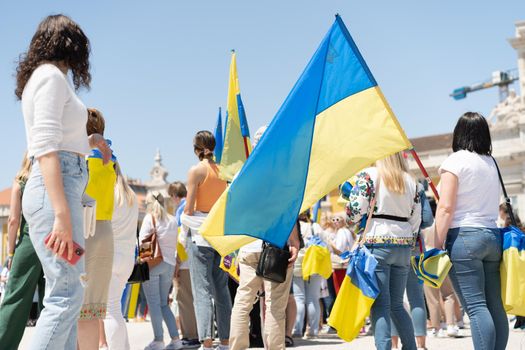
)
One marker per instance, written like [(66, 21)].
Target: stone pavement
[(141, 334)]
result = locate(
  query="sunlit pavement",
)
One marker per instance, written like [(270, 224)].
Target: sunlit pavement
[(141, 334)]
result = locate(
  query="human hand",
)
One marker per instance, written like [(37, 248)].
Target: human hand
[(294, 251), (98, 141), (61, 236)]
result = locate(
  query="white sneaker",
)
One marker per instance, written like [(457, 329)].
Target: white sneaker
[(155, 345), (452, 331), (441, 333), (432, 332), (174, 345)]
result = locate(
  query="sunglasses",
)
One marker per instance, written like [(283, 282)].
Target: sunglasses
[(336, 220)]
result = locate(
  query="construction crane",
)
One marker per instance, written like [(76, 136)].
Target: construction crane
[(501, 79)]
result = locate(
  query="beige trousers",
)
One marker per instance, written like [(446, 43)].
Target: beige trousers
[(184, 297), (442, 299), (276, 299)]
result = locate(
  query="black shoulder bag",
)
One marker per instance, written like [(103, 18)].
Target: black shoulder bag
[(273, 263), (140, 271)]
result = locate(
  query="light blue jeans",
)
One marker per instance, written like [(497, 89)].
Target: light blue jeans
[(209, 282), (476, 253), (416, 299), (157, 291), (57, 326), (392, 273), (307, 293)]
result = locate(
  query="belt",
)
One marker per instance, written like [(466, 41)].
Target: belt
[(389, 217)]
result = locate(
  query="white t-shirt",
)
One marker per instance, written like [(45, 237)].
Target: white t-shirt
[(55, 118), (477, 201), (124, 224), (167, 232)]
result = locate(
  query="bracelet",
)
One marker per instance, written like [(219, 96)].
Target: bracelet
[(11, 255)]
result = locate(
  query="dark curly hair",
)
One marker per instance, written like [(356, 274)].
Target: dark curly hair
[(57, 38)]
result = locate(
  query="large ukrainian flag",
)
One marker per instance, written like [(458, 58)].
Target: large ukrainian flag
[(236, 147), (334, 122)]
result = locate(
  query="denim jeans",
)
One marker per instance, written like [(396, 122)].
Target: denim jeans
[(57, 326), (475, 253), (416, 299), (392, 273), (209, 282), (157, 291), (307, 295)]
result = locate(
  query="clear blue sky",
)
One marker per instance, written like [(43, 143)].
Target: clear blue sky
[(160, 68)]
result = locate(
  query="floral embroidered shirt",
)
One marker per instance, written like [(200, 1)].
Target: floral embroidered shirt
[(382, 231)]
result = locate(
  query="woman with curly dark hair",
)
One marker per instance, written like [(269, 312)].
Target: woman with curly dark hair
[(57, 141)]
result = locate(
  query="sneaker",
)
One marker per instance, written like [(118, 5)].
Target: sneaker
[(222, 347), (328, 330), (191, 343), (461, 325), (442, 333), (432, 332), (308, 336), (452, 331), (155, 345), (175, 345)]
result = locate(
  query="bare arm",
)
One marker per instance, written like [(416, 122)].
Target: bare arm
[(293, 242), (446, 207), (15, 210), (61, 235), (196, 176)]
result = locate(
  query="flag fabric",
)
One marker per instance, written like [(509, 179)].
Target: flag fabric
[(334, 122), (511, 271), (431, 267), (316, 260), (316, 212), (236, 147), (218, 138), (356, 295)]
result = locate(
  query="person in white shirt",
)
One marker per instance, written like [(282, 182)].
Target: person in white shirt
[(157, 288), (342, 241), (466, 223), (57, 141), (124, 224), (394, 224)]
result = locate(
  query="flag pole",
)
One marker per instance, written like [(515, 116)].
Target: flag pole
[(425, 173)]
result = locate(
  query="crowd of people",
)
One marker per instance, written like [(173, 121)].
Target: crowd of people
[(78, 223)]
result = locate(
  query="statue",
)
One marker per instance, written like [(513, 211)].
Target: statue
[(507, 113)]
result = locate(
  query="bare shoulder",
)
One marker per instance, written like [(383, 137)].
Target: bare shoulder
[(198, 171)]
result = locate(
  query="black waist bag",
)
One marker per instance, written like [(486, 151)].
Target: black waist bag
[(273, 263)]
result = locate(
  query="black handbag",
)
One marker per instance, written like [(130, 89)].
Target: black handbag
[(140, 271), (273, 263)]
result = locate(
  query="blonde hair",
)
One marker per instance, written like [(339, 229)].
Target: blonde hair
[(155, 202), (25, 169), (391, 171), (123, 193)]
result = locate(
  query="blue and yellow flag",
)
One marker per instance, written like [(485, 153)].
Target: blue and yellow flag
[(511, 271), (356, 295), (334, 122), (218, 138), (236, 147), (316, 260)]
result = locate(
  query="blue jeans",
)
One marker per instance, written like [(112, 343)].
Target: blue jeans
[(209, 282), (157, 291), (307, 293), (475, 253), (57, 326), (416, 299), (392, 273)]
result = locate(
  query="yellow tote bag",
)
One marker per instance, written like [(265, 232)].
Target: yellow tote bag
[(512, 271)]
